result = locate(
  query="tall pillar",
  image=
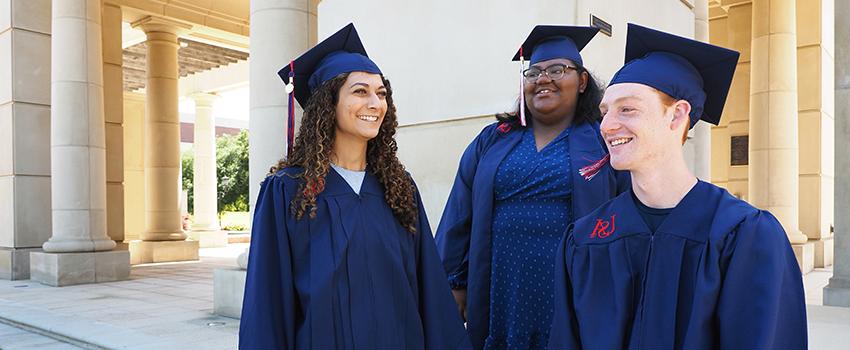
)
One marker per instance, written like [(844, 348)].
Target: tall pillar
[(113, 110), (773, 140), (78, 155), (134, 165), (163, 238), (280, 31), (729, 137), (24, 133), (701, 133), (205, 229), (837, 292), (162, 133), (816, 96)]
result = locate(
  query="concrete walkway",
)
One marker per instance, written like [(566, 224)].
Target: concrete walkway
[(12, 338), (169, 306), (162, 306)]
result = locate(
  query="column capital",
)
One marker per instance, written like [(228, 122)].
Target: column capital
[(159, 24), (203, 98)]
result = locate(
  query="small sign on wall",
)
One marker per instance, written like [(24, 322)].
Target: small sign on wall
[(740, 150), (604, 27)]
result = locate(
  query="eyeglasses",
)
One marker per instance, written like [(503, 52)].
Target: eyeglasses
[(554, 72)]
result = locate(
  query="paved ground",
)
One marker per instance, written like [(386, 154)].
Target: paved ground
[(169, 306), (12, 338), (162, 306)]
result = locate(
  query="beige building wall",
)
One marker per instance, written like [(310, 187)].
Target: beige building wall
[(816, 95), (730, 26), (732, 29), (134, 165), (449, 80), (431, 151), (25, 224), (113, 112)]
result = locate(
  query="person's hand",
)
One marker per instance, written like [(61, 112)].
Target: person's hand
[(460, 299)]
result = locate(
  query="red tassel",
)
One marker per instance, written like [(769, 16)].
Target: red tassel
[(504, 128), (591, 170), (290, 118), (315, 188)]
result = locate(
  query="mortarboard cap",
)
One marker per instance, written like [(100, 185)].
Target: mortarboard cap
[(683, 68), (340, 53), (546, 42)]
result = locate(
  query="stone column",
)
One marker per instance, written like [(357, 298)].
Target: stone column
[(134, 165), (24, 133), (113, 110), (837, 292), (163, 238), (816, 96), (78, 155), (773, 141), (701, 133), (205, 229), (280, 31)]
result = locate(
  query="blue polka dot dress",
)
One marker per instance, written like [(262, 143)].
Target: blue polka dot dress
[(532, 210)]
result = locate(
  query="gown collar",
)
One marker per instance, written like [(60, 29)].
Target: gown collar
[(335, 185), (621, 218)]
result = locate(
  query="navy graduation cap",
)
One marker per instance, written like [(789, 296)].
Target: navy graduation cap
[(546, 42), (683, 68), (340, 53)]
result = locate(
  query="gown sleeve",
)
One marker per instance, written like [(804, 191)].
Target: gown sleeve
[(453, 233), (441, 322), (761, 303), (564, 332), (270, 305)]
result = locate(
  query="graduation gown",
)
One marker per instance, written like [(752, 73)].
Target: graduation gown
[(351, 278), (463, 236), (717, 273)]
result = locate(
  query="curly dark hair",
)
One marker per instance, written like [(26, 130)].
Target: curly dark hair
[(587, 106), (314, 144)]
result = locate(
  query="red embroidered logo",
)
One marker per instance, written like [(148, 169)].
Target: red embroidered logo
[(591, 170), (604, 228), (504, 128)]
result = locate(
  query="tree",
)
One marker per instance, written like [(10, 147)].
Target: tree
[(231, 172), (187, 161)]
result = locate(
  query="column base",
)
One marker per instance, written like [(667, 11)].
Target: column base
[(143, 252), (163, 236), (228, 291), (78, 245), (837, 292), (209, 239), (805, 254), (15, 263), (65, 269), (824, 251)]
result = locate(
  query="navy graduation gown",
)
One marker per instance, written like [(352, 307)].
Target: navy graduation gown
[(351, 278), (463, 236), (717, 273)]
